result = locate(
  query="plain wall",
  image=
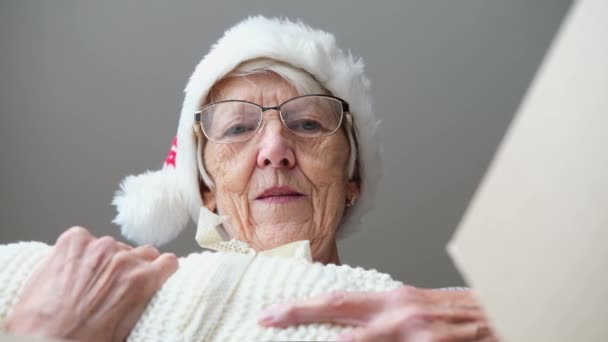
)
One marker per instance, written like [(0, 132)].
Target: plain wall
[(90, 92)]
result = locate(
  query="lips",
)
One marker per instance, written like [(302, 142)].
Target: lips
[(279, 194)]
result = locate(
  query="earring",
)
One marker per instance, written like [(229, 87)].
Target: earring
[(351, 202)]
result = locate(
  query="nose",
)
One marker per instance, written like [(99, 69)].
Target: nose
[(276, 149)]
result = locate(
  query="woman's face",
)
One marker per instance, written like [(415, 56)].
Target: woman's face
[(276, 187)]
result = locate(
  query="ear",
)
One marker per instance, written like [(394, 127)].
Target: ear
[(208, 196), (353, 190)]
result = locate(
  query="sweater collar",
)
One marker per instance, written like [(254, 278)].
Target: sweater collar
[(211, 235)]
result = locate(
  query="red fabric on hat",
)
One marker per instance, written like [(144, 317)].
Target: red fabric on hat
[(170, 160)]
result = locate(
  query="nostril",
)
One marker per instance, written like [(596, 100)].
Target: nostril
[(284, 162), (266, 162)]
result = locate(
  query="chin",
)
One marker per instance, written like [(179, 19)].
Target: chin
[(275, 235)]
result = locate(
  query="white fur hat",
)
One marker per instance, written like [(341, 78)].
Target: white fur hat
[(154, 207)]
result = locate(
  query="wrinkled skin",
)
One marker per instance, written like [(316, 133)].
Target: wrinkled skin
[(405, 314), (274, 156), (89, 289)]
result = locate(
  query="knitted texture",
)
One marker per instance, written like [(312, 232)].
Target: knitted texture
[(216, 296)]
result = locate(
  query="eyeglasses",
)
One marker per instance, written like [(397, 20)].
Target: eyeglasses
[(307, 116)]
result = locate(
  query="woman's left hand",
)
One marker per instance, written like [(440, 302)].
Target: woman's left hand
[(404, 314)]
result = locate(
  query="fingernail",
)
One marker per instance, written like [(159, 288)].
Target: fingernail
[(346, 337), (270, 315), (266, 319)]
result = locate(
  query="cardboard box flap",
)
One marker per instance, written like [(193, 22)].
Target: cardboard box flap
[(534, 240)]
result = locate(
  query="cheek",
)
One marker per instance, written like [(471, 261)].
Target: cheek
[(229, 165), (325, 161)]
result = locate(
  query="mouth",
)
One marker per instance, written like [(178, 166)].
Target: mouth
[(279, 194)]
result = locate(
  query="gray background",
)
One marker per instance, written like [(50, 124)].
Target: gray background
[(90, 92)]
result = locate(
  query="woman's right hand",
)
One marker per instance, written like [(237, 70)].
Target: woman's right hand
[(89, 289)]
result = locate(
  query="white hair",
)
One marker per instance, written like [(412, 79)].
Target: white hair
[(302, 81)]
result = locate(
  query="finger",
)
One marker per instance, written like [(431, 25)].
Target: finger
[(99, 252), (123, 246), (71, 233), (146, 252), (73, 241), (395, 329), (430, 324), (454, 314), (157, 272), (161, 269), (426, 315), (464, 332), (394, 325), (485, 333), (164, 266), (353, 308), (454, 297), (370, 333)]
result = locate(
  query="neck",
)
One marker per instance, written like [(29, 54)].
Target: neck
[(328, 255)]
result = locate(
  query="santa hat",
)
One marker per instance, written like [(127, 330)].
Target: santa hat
[(154, 207)]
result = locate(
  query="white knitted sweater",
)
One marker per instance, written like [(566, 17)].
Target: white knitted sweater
[(216, 296)]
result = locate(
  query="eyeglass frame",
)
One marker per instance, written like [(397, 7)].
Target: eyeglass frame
[(198, 125)]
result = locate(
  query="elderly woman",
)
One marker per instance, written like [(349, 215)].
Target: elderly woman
[(275, 153)]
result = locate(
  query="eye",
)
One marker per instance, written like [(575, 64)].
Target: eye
[(305, 126), (238, 129)]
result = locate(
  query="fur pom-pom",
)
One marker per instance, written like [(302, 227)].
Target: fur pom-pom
[(151, 209)]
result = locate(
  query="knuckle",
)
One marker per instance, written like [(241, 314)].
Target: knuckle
[(150, 250), (120, 261), (104, 243), (77, 231), (172, 259), (171, 262), (73, 234), (100, 249)]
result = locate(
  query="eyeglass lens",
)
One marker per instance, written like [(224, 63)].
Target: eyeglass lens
[(308, 117)]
